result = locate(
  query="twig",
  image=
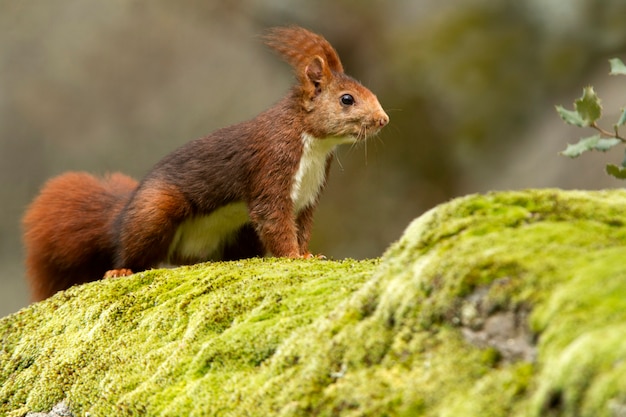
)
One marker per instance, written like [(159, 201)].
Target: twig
[(606, 133)]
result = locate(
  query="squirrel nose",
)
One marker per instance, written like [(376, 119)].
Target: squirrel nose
[(383, 120)]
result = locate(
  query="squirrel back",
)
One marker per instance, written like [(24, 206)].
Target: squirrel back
[(245, 190)]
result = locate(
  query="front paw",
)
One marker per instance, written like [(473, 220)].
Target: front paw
[(116, 273)]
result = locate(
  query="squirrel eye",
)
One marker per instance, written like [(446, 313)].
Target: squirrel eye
[(347, 100)]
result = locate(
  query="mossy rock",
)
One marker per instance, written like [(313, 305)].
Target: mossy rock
[(506, 304)]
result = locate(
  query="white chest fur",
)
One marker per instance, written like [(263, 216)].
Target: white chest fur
[(311, 172), (203, 238)]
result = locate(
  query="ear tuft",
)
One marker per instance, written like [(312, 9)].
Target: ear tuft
[(298, 45)]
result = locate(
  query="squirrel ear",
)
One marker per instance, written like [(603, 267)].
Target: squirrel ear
[(315, 70), (317, 74)]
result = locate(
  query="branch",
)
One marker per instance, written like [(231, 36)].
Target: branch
[(606, 133)]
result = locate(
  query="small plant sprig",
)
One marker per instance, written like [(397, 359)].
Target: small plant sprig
[(587, 111)]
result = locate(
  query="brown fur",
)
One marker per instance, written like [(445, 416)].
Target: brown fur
[(80, 227), (298, 46), (68, 230)]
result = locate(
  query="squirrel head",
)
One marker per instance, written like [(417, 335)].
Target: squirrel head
[(336, 105)]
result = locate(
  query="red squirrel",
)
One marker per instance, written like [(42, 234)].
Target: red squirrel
[(243, 191)]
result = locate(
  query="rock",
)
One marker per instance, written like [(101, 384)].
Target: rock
[(505, 304), (59, 410)]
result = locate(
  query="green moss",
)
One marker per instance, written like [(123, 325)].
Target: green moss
[(164, 336), (299, 338)]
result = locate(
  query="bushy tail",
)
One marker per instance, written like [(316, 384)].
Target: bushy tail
[(68, 230)]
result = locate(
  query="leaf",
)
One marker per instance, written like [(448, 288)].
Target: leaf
[(583, 145), (570, 117), (587, 109), (605, 144), (617, 67), (622, 119), (592, 143), (588, 106), (615, 171)]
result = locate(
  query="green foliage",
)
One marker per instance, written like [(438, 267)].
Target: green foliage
[(617, 67), (570, 117), (616, 171), (594, 142), (622, 119), (588, 106), (587, 111)]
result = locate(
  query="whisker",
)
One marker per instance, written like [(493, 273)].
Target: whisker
[(336, 154), (394, 127), (366, 151), (363, 133), (353, 145), (380, 141)]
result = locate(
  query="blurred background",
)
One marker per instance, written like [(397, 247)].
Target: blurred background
[(470, 86)]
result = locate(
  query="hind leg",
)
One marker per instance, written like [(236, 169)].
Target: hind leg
[(147, 227)]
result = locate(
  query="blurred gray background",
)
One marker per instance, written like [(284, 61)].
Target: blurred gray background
[(470, 87)]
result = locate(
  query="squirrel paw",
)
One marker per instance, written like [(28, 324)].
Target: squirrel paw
[(115, 273), (309, 255)]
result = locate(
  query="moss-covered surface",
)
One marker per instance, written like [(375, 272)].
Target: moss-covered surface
[(546, 269)]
